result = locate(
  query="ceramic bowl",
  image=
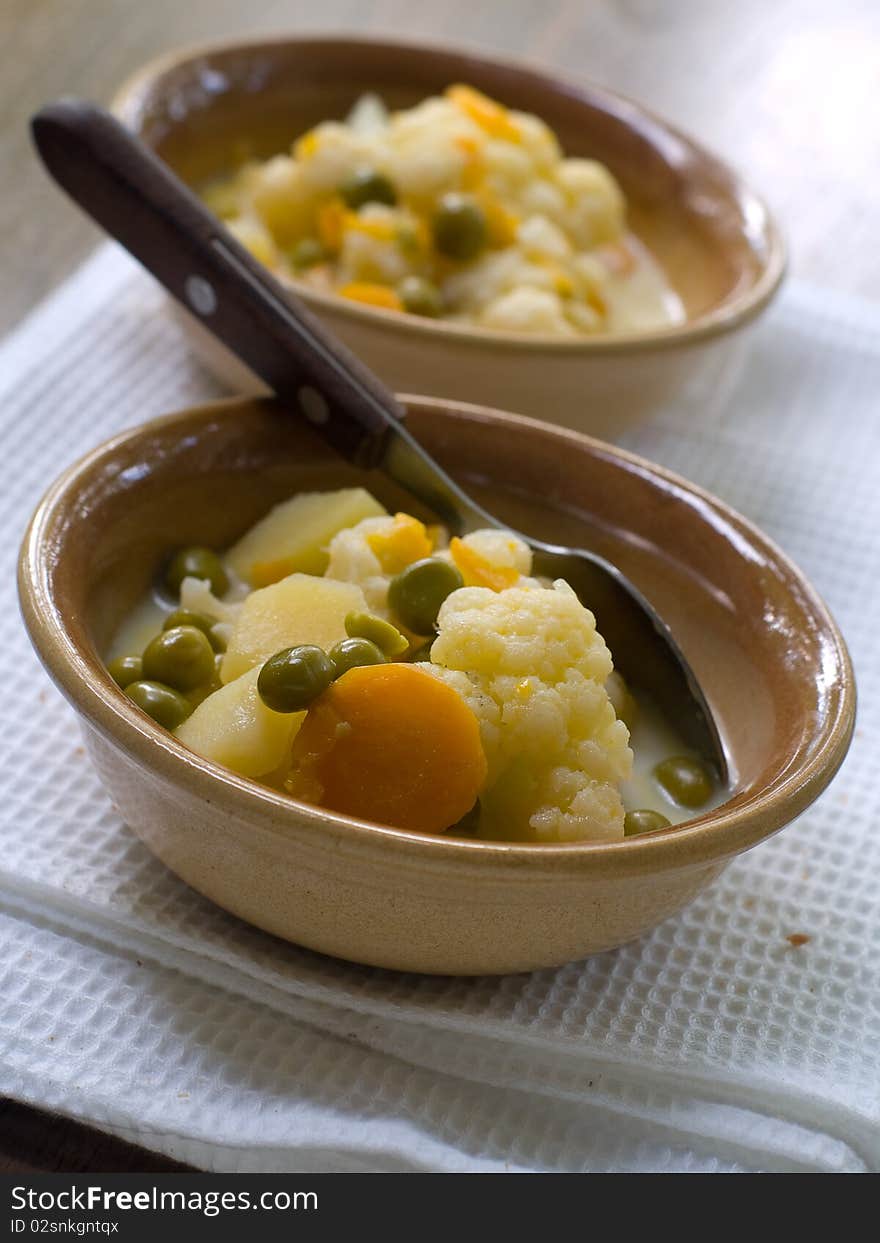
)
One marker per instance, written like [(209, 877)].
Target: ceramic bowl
[(201, 109), (760, 640)]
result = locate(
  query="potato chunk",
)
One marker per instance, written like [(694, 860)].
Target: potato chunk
[(234, 727), (295, 535), (299, 609)]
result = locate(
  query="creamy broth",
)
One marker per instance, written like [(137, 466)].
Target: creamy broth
[(642, 299), (142, 624)]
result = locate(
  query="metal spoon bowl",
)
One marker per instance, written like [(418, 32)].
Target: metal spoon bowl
[(140, 202)]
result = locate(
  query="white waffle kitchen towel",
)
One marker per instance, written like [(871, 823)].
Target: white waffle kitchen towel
[(713, 1044)]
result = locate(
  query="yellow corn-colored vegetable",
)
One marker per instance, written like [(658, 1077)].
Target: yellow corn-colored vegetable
[(485, 112), (477, 571), (405, 542), (371, 295), (331, 224)]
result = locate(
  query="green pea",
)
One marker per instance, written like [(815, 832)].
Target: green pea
[(185, 617), (165, 705), (351, 653), (196, 563), (416, 593), (292, 678), (125, 670), (422, 655), (181, 657), (685, 779), (386, 637), (459, 227), (644, 821), (306, 253), (367, 185), (420, 297)]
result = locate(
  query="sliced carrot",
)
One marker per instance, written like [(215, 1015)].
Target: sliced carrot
[(391, 744), (372, 295), (477, 571)]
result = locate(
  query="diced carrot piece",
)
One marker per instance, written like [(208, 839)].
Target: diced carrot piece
[(477, 571), (502, 224), (485, 112), (475, 165), (304, 148), (330, 224), (594, 299), (380, 230), (398, 547), (390, 744), (372, 295)]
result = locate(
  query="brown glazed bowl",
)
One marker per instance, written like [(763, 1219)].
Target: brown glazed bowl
[(202, 109), (761, 641)]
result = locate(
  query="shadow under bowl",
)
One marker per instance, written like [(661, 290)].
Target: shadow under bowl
[(759, 639)]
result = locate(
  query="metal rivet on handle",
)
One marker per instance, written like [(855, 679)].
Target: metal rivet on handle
[(313, 405), (200, 295)]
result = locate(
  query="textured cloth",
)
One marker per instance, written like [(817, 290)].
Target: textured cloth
[(713, 1044)]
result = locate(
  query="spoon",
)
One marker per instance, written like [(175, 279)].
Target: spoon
[(139, 201)]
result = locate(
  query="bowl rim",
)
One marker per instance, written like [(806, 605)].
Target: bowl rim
[(711, 837), (737, 309)]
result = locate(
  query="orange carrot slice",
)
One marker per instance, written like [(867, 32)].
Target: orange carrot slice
[(391, 744)]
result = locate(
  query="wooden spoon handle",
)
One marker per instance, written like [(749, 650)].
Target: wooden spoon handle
[(138, 200)]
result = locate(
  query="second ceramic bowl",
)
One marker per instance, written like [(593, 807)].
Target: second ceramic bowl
[(200, 109)]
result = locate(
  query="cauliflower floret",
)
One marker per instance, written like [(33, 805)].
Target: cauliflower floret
[(538, 139), (527, 309), (328, 154), (508, 166), (501, 549), (256, 238), (542, 198), (370, 249), (282, 200), (352, 560), (531, 666), (196, 597), (596, 202), (427, 148), (492, 558), (540, 236), (370, 553)]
